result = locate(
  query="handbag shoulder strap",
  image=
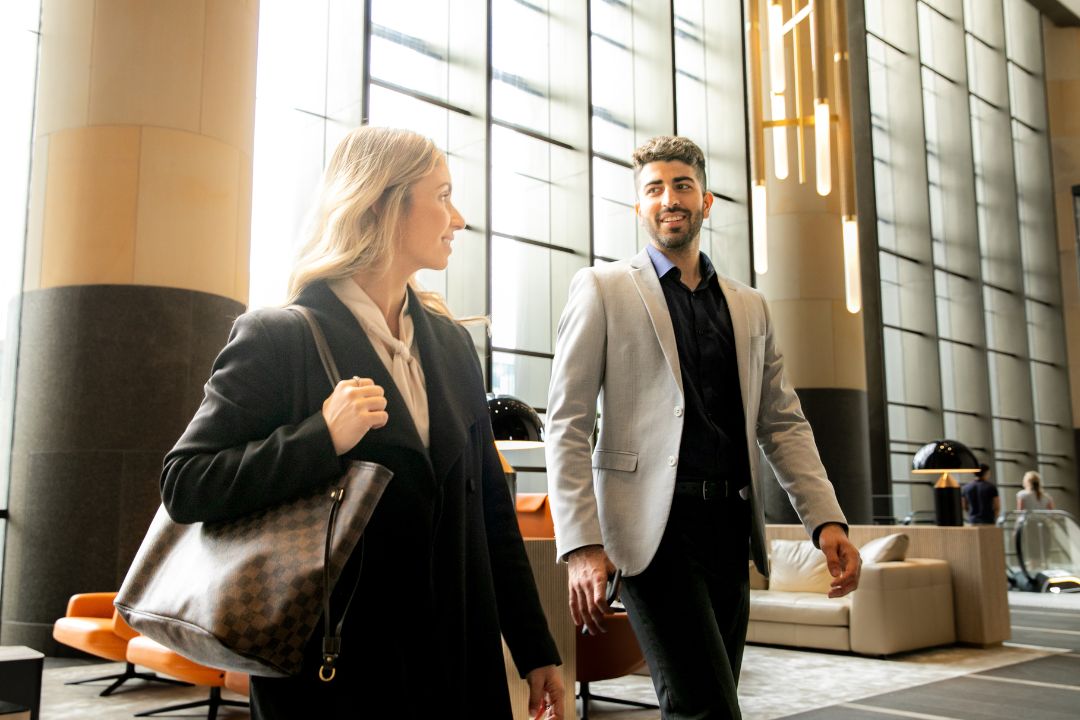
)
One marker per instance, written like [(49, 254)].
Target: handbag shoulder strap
[(321, 345)]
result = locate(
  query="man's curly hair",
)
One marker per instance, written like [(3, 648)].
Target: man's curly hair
[(664, 148)]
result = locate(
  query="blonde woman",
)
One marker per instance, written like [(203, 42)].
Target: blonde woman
[(444, 571), (1032, 496)]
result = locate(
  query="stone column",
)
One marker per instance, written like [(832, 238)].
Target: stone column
[(822, 343), (136, 266), (1062, 48)]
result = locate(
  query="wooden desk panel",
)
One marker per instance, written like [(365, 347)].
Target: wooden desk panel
[(551, 581)]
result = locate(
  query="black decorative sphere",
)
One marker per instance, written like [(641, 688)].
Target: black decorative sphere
[(942, 455), (514, 421)]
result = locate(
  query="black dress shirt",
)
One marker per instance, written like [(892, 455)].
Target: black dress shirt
[(714, 430)]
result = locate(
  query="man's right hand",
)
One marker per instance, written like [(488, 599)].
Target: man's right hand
[(589, 571)]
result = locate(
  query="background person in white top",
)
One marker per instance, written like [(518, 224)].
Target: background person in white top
[(1032, 497)]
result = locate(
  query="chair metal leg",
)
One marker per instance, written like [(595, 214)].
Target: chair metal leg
[(586, 696), (129, 674), (211, 704)]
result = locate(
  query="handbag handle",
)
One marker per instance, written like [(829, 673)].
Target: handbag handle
[(331, 644), (325, 356)]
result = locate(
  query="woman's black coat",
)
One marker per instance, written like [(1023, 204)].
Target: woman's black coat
[(444, 569)]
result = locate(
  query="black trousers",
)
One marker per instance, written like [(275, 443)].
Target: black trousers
[(690, 608)]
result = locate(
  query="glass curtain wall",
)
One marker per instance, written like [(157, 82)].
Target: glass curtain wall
[(19, 32), (538, 133), (974, 343)]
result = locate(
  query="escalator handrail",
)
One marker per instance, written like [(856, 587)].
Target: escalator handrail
[(1019, 531)]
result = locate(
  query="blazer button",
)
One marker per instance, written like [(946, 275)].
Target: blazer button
[(672, 460), (678, 412)]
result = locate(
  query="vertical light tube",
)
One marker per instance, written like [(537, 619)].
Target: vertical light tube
[(779, 138), (761, 247), (822, 147), (852, 274), (776, 46), (822, 120)]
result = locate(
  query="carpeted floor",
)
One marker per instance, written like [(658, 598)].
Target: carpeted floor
[(1036, 676)]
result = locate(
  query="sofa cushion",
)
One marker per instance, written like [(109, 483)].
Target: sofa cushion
[(889, 548), (800, 608), (798, 566)]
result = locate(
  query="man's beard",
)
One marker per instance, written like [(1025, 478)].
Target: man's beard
[(676, 241)]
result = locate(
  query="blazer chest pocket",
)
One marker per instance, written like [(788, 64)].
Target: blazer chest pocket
[(614, 460)]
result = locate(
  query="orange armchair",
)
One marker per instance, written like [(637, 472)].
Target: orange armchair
[(148, 653), (93, 626), (604, 657)]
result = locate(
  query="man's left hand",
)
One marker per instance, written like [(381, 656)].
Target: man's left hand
[(842, 558)]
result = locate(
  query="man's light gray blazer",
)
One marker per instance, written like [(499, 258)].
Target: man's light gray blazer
[(616, 341)]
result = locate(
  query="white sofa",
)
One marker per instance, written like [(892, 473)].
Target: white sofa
[(900, 605)]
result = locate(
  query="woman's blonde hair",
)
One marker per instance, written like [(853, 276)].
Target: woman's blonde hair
[(1033, 482), (371, 165)]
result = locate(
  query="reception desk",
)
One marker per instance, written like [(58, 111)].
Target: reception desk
[(976, 557), (551, 582)]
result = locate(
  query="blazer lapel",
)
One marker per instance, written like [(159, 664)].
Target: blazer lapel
[(648, 286), (355, 355), (740, 326), (446, 380)]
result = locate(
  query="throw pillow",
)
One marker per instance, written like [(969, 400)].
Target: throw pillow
[(798, 566), (885, 549)]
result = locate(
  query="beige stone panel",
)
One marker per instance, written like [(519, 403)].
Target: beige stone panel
[(1070, 290), (1062, 50), (849, 348), (63, 87), (35, 220), (243, 230), (188, 206), (148, 63), (803, 330), (1072, 339), (1065, 155), (1063, 100), (90, 199), (228, 89), (806, 257), (1065, 215)]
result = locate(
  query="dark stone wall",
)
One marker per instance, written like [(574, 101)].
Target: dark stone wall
[(841, 431), (108, 378)]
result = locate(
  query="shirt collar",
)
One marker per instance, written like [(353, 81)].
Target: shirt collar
[(663, 265)]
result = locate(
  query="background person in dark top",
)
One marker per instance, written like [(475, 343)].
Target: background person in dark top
[(442, 566), (980, 498)]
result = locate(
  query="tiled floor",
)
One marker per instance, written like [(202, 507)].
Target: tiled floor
[(1029, 679)]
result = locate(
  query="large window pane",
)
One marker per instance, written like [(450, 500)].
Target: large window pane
[(19, 25), (409, 44)]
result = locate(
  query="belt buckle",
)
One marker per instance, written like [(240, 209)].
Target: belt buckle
[(711, 489)]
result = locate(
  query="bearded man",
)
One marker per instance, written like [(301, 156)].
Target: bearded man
[(692, 385)]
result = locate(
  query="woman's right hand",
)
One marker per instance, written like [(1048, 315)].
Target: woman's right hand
[(356, 406)]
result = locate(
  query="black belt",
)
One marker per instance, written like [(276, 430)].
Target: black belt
[(718, 489)]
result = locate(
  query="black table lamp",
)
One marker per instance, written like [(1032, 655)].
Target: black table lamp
[(945, 458), (517, 427)]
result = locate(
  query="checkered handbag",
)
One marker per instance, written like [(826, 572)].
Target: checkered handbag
[(246, 594)]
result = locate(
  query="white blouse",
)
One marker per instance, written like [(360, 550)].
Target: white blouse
[(400, 356)]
